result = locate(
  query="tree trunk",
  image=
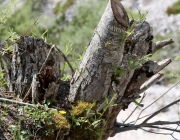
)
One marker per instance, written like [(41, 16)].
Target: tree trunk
[(112, 74), (111, 66)]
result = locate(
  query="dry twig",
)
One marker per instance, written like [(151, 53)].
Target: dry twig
[(65, 58), (155, 102), (4, 100), (128, 127)]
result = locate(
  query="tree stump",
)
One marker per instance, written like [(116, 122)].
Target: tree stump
[(113, 72), (112, 68), (30, 59)]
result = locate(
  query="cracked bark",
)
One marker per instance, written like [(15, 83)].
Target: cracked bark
[(105, 51), (26, 62), (93, 81)]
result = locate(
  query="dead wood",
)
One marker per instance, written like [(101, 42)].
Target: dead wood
[(113, 73)]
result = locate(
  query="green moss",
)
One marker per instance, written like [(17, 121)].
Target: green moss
[(60, 121), (80, 108), (174, 9), (89, 128), (59, 126)]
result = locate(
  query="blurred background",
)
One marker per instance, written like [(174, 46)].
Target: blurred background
[(70, 25)]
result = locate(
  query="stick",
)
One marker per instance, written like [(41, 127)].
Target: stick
[(160, 110), (16, 102), (158, 45), (150, 82), (156, 100), (128, 127), (135, 108), (65, 58)]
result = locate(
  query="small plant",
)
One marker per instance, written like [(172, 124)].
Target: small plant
[(9, 42), (14, 131), (65, 70), (81, 123), (140, 16), (135, 22), (3, 82), (135, 62), (118, 71), (85, 121), (48, 120), (5, 110), (4, 15), (39, 115), (5, 12), (18, 134)]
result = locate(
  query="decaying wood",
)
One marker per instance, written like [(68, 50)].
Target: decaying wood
[(105, 73), (32, 56)]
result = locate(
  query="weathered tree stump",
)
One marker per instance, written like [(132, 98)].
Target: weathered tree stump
[(106, 70), (112, 74), (30, 59)]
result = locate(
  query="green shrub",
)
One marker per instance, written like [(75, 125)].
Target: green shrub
[(174, 9), (21, 20)]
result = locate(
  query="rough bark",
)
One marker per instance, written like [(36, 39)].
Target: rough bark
[(28, 60), (106, 53)]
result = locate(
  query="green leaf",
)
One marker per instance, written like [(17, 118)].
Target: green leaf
[(13, 127), (77, 123), (46, 107), (177, 58), (44, 33), (67, 49), (95, 123), (24, 132)]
